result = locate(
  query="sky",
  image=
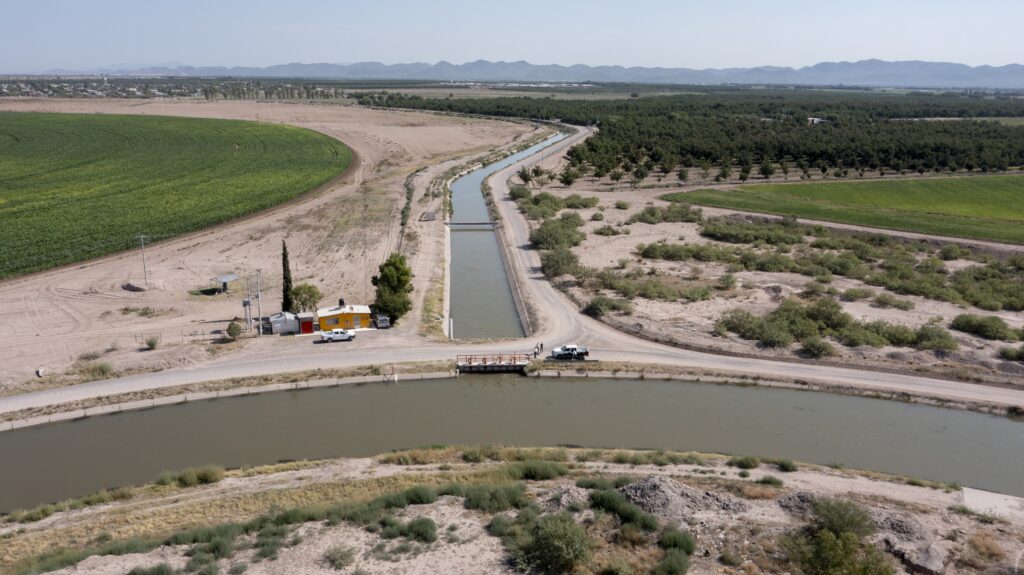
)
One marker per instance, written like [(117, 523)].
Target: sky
[(40, 35)]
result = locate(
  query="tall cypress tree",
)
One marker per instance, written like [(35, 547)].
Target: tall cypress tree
[(286, 281)]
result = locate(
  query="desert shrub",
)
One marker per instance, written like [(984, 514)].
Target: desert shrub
[(233, 330), (934, 338), (518, 193), (571, 219), (894, 334), (856, 335), (824, 553), (1012, 354), (727, 282), (578, 202), (770, 480), (984, 544), (601, 305), (616, 504), (672, 538), (557, 545), (816, 347), (735, 232), (621, 205), (188, 478), (490, 499), (673, 213), (421, 529), (238, 569), (558, 262), (889, 301), (500, 525), (785, 465), (729, 559), (855, 294), (597, 217), (675, 562), (152, 342), (420, 495), (953, 252), (744, 462), (610, 231), (840, 516), (987, 327), (553, 234), (97, 370), (537, 470)]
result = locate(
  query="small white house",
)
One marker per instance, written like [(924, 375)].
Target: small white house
[(284, 323)]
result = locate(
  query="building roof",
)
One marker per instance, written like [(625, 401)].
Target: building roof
[(287, 315), (338, 310), (225, 278)]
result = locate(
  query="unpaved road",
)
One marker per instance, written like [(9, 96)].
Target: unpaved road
[(561, 324)]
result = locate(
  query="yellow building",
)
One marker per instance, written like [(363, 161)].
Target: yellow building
[(344, 317)]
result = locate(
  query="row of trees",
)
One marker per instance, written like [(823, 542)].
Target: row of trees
[(748, 129)]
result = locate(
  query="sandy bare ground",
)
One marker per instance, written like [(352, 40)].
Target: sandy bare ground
[(336, 239)]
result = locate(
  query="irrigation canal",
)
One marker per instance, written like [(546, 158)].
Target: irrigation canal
[(60, 460)]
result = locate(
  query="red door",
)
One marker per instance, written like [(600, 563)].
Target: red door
[(306, 326)]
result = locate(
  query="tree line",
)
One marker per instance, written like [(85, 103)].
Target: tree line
[(768, 129)]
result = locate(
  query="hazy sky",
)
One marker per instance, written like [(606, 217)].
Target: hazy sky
[(83, 34)]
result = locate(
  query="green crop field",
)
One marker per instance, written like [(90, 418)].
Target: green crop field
[(979, 207), (77, 186)]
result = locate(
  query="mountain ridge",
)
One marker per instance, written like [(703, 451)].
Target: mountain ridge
[(866, 73)]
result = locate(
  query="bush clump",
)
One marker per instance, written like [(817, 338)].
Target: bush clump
[(987, 327), (673, 213), (744, 462), (601, 305), (556, 233), (339, 557), (817, 347), (557, 545), (887, 300), (616, 504), (672, 538)]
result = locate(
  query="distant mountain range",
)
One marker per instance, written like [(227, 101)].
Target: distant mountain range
[(869, 73)]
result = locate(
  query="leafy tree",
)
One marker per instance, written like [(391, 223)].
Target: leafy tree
[(683, 174), (287, 303), (234, 330), (766, 169), (306, 297), (616, 175), (394, 283), (525, 174)]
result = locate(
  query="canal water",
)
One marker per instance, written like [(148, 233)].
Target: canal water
[(481, 305), (61, 460)]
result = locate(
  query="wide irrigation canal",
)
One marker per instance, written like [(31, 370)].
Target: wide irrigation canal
[(60, 460), (481, 299)]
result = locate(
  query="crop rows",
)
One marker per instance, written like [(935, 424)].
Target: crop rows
[(79, 186)]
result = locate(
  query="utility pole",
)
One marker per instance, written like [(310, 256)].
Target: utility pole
[(142, 246), (259, 306)]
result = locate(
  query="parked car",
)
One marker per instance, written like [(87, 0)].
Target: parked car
[(382, 321), (571, 351), (337, 335)]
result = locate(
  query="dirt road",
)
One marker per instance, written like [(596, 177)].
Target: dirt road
[(561, 323)]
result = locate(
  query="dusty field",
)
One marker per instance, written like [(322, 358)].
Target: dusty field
[(74, 319), (919, 528), (690, 324)]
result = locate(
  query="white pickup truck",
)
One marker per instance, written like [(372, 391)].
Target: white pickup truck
[(571, 351), (337, 335)]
